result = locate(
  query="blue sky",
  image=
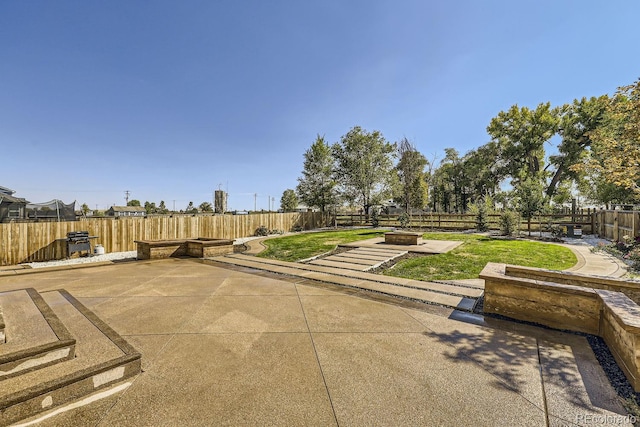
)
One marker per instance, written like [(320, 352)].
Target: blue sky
[(174, 99)]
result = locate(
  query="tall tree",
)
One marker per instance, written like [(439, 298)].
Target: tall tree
[(450, 182), (617, 140), (577, 122), (521, 134), (317, 187), (289, 201), (133, 202), (412, 191), (363, 165)]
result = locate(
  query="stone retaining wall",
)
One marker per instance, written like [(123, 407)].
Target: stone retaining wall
[(608, 312)]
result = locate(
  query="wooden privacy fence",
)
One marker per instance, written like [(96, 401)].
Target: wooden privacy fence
[(43, 241), (613, 225)]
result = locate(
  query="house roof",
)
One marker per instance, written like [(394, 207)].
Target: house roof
[(5, 190), (128, 209), (6, 198)]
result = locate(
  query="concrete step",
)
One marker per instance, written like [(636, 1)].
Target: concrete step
[(338, 264), (359, 255), (102, 360), (348, 260), (355, 280), (34, 335)]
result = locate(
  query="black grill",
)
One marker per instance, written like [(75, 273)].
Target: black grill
[(78, 241)]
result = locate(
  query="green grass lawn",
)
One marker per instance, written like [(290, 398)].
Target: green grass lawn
[(464, 262), (467, 260), (305, 245)]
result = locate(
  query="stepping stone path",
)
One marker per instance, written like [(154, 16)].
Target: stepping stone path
[(360, 259)]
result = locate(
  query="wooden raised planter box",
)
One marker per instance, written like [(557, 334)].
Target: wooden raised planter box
[(399, 238), (201, 247)]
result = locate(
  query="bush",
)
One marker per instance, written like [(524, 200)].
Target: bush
[(509, 222), (404, 220), (482, 223), (262, 231), (375, 218)]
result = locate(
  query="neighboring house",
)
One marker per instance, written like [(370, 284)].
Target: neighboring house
[(119, 211), (11, 208)]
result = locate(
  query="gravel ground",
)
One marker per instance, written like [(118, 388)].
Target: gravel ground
[(114, 256)]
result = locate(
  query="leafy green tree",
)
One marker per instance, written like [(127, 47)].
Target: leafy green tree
[(191, 208), (162, 207), (85, 209), (364, 161), (289, 201), (133, 202), (577, 121), (150, 207), (529, 199), (450, 182), (205, 207), (317, 186), (617, 140), (411, 176), (483, 172), (520, 134)]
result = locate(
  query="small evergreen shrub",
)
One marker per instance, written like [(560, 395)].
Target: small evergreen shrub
[(509, 222), (482, 220), (404, 220), (375, 218)]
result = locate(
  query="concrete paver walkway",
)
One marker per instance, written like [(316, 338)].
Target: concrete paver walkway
[(237, 346), (594, 263)]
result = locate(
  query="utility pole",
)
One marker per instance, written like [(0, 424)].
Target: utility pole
[(126, 196), (255, 202)]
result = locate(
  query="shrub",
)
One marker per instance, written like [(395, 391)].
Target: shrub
[(375, 218), (482, 223), (262, 231), (404, 220), (509, 222)]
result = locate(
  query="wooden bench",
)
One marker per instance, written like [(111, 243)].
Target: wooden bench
[(201, 247), (401, 238)]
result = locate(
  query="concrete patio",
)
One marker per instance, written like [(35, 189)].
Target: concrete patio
[(237, 346)]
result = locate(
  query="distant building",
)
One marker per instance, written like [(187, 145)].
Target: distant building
[(11, 208), (127, 211), (220, 201)]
